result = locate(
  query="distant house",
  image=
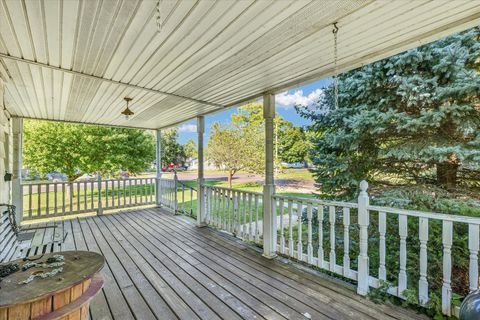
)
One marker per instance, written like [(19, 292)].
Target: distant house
[(191, 163), (295, 165)]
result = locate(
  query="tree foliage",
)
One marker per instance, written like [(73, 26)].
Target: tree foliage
[(227, 149), (172, 151), (414, 113), (190, 148), (75, 149), (292, 144), (239, 145)]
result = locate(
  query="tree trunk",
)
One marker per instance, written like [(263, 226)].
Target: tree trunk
[(447, 172), (230, 178)]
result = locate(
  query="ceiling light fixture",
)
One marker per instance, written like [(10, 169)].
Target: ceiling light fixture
[(159, 17), (127, 112)]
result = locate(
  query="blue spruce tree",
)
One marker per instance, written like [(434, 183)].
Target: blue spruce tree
[(416, 114)]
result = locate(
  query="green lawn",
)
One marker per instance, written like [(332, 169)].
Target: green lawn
[(294, 174)]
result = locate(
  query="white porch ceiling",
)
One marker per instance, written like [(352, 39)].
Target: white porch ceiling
[(73, 60)]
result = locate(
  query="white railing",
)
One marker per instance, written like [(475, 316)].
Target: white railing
[(379, 247), (178, 196), (468, 230), (44, 200), (186, 199), (354, 239), (299, 217), (168, 193), (235, 211)]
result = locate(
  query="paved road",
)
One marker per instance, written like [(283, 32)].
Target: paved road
[(246, 177)]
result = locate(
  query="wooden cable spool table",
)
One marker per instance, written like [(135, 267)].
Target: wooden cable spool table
[(65, 295)]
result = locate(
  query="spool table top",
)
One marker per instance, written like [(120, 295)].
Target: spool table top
[(79, 266)]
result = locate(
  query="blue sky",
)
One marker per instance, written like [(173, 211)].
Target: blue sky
[(284, 106)]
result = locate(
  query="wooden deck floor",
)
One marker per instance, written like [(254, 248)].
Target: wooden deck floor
[(161, 266)]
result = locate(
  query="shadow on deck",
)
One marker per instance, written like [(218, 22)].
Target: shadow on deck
[(161, 266)]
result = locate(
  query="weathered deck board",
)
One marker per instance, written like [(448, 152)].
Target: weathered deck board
[(161, 266)]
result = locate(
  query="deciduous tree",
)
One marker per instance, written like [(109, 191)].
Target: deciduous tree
[(190, 148), (227, 149), (239, 145), (75, 149), (172, 151)]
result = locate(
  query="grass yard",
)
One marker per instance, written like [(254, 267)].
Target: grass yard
[(295, 174)]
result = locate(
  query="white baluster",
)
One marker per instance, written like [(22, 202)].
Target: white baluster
[(236, 215), (309, 240), (250, 234), (210, 206), (447, 233), (39, 199), (346, 242), (257, 232), (333, 257), (217, 208), (78, 196), (30, 192), (63, 198), (422, 282), (402, 275), (55, 207), (241, 223), (299, 225), (363, 223), (282, 236), (222, 208), (244, 225), (290, 228), (214, 206), (225, 200), (320, 254), (473, 247), (47, 194), (274, 209), (382, 229), (229, 223), (237, 196)]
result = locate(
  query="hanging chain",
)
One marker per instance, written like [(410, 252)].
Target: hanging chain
[(335, 57), (159, 17)]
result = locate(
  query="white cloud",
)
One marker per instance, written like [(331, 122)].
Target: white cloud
[(287, 100), (187, 128)]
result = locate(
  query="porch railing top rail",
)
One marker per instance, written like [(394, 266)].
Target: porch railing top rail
[(27, 183), (232, 189), (425, 214), (317, 201)]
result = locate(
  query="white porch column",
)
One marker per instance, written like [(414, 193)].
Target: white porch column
[(269, 216), (17, 192), (158, 195), (200, 193)]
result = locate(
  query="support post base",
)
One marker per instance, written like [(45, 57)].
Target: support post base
[(269, 256)]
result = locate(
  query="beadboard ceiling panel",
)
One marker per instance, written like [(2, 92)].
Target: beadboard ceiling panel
[(75, 60)]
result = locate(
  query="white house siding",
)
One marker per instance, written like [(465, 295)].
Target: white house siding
[(5, 149), (6, 155)]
